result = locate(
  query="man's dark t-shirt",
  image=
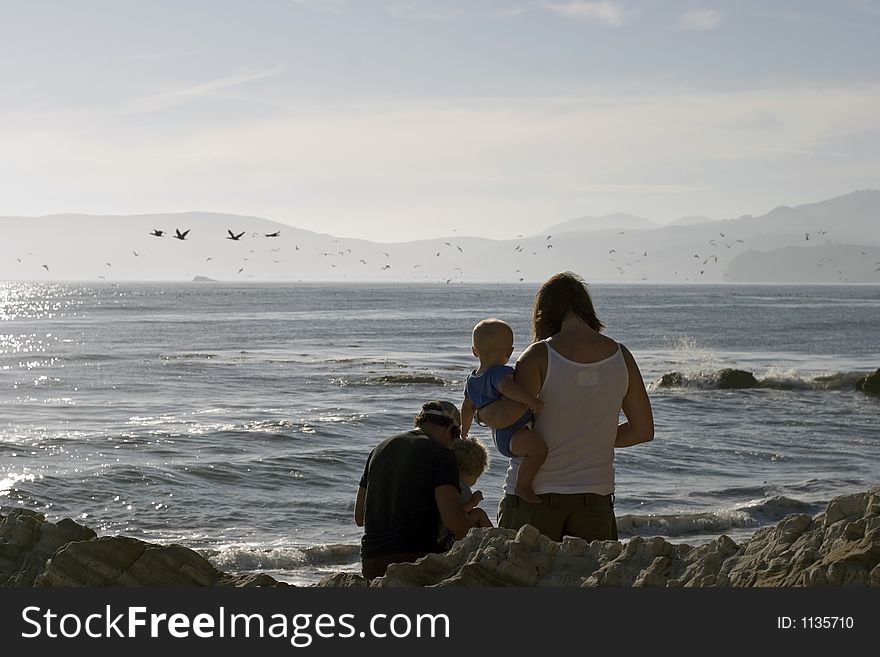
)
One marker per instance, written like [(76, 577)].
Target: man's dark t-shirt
[(400, 512)]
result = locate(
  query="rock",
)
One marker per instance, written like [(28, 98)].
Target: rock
[(343, 581), (730, 379), (124, 561), (671, 380), (840, 547), (248, 581), (870, 383), (35, 552), (27, 541)]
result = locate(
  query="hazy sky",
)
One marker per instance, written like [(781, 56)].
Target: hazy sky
[(400, 119)]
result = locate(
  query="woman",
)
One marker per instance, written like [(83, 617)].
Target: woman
[(584, 379)]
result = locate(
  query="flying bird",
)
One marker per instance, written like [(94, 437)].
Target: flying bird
[(233, 236), (275, 234), (157, 233), (179, 235), (46, 267), (136, 253)]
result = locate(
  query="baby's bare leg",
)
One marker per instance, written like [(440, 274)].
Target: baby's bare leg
[(533, 450), (480, 517)]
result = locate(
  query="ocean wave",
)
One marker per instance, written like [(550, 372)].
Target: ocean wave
[(755, 514), (190, 356), (404, 379), (729, 378), (247, 558), (90, 358)]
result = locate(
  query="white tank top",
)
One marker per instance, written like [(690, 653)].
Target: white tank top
[(582, 403)]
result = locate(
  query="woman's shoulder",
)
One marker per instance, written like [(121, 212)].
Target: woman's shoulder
[(535, 350)]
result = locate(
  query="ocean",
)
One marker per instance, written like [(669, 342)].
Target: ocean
[(235, 419)]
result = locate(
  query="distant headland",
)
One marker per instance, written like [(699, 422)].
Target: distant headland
[(832, 241)]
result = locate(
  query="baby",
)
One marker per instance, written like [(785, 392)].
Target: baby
[(493, 345), (472, 461)]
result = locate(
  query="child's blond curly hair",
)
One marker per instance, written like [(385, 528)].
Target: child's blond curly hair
[(471, 455)]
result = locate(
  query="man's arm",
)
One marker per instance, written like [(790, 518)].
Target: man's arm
[(467, 416), (639, 425), (451, 514), (360, 506)]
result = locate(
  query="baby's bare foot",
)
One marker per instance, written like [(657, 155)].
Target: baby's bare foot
[(527, 494)]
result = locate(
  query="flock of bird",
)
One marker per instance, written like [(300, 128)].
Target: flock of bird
[(622, 264), (232, 236)]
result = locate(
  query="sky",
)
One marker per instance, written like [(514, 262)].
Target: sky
[(394, 120)]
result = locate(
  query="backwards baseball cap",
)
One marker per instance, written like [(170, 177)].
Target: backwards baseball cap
[(443, 409)]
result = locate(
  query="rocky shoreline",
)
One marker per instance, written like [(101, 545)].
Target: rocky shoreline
[(837, 548)]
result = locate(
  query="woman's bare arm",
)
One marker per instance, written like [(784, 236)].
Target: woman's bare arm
[(530, 375), (639, 425)]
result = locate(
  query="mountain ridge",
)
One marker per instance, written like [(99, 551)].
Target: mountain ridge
[(71, 246)]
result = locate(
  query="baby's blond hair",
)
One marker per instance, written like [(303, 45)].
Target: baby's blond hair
[(491, 335), (471, 455)]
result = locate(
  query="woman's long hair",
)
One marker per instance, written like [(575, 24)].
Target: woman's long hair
[(558, 295)]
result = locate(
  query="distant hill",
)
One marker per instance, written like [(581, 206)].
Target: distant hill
[(605, 222), (689, 221), (831, 241), (836, 263)]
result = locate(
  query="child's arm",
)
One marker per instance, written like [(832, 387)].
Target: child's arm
[(512, 390), (467, 416), (476, 498)]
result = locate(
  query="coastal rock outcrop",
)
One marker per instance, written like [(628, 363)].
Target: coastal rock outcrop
[(27, 542), (673, 379), (735, 379), (837, 548), (870, 383), (840, 547), (724, 379), (124, 561), (35, 552)]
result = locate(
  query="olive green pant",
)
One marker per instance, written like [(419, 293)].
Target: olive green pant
[(585, 515)]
